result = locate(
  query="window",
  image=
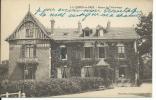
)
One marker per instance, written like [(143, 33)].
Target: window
[(63, 52), (121, 52), (87, 51), (102, 52), (101, 33), (63, 72), (29, 33), (29, 51), (29, 72), (87, 33), (87, 71), (121, 49)]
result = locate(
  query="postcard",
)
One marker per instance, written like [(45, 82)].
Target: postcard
[(76, 48)]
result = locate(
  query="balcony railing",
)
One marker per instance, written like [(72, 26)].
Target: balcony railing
[(28, 60)]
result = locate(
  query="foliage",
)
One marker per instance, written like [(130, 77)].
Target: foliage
[(144, 30), (147, 67), (89, 83), (15, 86), (48, 88), (52, 86)]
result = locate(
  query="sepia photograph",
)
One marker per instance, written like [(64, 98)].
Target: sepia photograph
[(76, 48)]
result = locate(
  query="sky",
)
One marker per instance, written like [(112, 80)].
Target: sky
[(13, 11)]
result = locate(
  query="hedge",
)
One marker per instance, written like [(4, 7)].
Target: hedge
[(53, 87), (14, 86)]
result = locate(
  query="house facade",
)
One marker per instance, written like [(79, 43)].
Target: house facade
[(36, 52)]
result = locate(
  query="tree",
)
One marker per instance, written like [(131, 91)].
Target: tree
[(144, 30)]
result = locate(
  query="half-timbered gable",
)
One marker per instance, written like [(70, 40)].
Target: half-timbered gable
[(29, 28), (29, 50)]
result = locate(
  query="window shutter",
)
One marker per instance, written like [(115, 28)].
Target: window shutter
[(59, 73), (68, 72), (91, 52), (83, 72), (97, 52), (115, 51), (83, 52), (106, 51), (34, 51)]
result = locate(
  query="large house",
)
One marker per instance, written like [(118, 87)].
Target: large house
[(36, 52)]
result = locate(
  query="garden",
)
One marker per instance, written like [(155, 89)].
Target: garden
[(54, 86)]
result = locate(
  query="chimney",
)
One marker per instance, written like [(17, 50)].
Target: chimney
[(108, 26), (79, 29), (52, 26)]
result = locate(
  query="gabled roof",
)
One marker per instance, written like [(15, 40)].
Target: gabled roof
[(30, 16)]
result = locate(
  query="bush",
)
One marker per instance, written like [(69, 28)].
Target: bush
[(68, 86), (3, 86), (53, 87), (27, 86), (48, 88), (88, 83)]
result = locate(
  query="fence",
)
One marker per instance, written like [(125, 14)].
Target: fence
[(17, 94)]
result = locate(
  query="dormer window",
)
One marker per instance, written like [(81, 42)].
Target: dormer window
[(101, 33), (87, 32)]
